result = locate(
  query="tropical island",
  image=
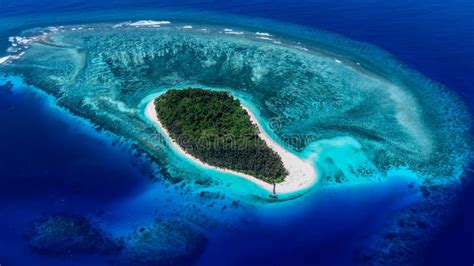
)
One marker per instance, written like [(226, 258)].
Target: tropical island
[(213, 129)]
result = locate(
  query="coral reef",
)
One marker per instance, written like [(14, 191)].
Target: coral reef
[(162, 243), (69, 235)]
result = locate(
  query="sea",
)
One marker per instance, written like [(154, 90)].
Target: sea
[(54, 162)]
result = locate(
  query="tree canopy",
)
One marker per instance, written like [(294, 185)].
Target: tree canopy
[(213, 127)]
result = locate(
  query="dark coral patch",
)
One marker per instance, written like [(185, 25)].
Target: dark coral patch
[(163, 243), (62, 235)]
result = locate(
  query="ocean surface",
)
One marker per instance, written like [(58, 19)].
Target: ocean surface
[(53, 162)]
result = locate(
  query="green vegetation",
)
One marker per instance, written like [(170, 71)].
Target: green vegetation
[(213, 127)]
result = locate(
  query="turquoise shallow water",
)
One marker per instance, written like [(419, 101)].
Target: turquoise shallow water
[(367, 121), (313, 92)]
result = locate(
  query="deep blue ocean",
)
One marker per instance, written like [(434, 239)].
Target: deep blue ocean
[(51, 161)]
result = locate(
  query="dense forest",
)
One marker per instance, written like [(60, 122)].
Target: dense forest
[(212, 126)]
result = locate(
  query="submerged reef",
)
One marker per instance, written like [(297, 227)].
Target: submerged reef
[(163, 243), (160, 243), (64, 235), (411, 231)]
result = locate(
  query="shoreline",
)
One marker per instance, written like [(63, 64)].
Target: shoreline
[(301, 173)]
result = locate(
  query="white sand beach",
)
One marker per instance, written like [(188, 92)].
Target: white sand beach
[(301, 173)]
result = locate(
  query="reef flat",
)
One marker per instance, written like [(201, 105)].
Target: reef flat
[(319, 101)]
